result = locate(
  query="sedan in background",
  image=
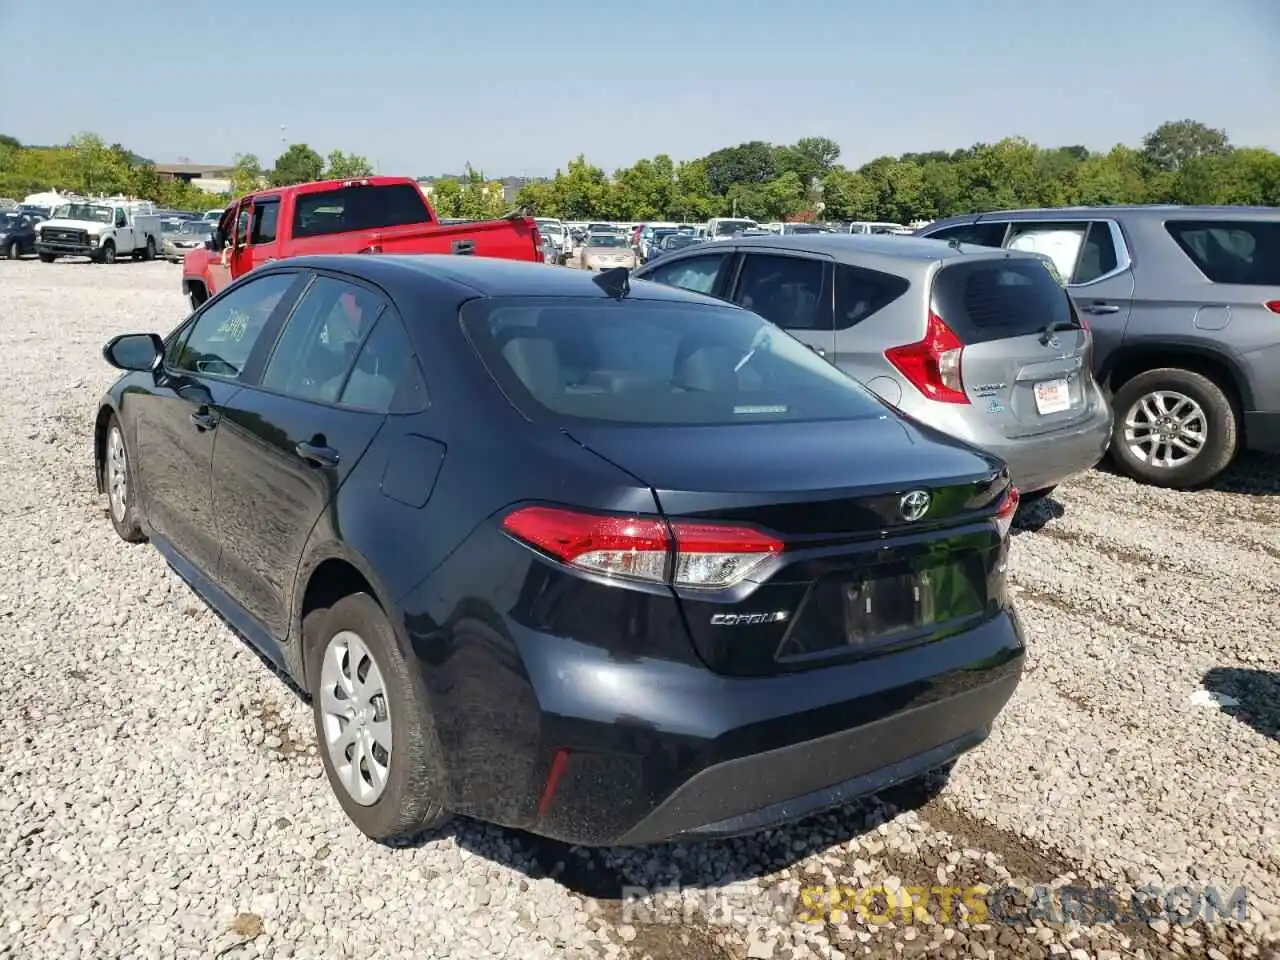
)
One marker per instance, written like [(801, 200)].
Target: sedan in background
[(981, 344), (672, 243), (610, 563), (17, 234), (603, 251), (189, 235)]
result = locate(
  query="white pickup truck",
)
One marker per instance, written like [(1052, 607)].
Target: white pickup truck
[(101, 231)]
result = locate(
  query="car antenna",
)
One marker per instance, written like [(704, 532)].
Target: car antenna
[(616, 282)]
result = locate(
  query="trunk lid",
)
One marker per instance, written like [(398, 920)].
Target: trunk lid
[(1026, 353), (857, 576)]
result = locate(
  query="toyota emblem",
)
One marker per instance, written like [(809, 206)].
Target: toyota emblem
[(914, 505)]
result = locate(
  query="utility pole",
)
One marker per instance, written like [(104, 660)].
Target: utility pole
[(284, 142)]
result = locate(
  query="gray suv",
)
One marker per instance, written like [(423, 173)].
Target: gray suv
[(980, 344), (1184, 305)]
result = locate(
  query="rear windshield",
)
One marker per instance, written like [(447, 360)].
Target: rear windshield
[(358, 208), (644, 362), (991, 299), (1231, 251)]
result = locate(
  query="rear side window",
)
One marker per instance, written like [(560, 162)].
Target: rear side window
[(861, 292), (1231, 251), (650, 363), (386, 378), (264, 222), (357, 208), (785, 290), (985, 300)]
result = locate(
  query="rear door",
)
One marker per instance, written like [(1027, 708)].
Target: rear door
[(1025, 357), (1093, 258), (290, 439), (791, 290), (263, 219)]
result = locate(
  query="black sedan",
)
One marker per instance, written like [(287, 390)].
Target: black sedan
[(17, 234), (609, 562)]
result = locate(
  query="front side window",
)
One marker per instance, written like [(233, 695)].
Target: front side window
[(318, 344), (653, 363), (224, 335), (1231, 251), (697, 274), (784, 290), (983, 234)]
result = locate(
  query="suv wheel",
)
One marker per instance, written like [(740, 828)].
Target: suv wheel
[(373, 726), (1173, 428)]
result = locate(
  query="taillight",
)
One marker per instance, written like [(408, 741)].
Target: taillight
[(645, 548), (1273, 306), (933, 364), (1004, 515)]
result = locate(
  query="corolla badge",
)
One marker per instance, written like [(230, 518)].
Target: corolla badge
[(914, 505), (748, 619), (1053, 343)]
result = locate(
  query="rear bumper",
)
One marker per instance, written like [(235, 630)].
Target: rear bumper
[(1262, 431), (645, 751), (1036, 463)]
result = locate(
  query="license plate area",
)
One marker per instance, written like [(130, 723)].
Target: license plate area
[(888, 605), (1052, 396)]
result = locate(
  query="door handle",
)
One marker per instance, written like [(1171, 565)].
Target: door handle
[(463, 248), (318, 454), (1101, 308), (205, 419)]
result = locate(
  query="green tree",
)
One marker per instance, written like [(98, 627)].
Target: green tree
[(347, 166), (1173, 144), (848, 196), (647, 190), (583, 190), (146, 183), (95, 167), (752, 163), (298, 164), (446, 198), (539, 198), (809, 158), (246, 175)]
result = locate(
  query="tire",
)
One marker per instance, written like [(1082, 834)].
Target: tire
[(47, 258), (14, 252), (108, 254), (118, 479), (150, 252), (407, 802), (1182, 394)]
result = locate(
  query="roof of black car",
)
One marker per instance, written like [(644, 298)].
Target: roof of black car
[(487, 276)]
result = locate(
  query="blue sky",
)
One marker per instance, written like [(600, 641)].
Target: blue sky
[(518, 87)]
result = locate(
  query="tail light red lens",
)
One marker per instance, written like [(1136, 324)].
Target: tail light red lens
[(1273, 306), (1004, 515), (932, 365), (647, 549), (537, 242)]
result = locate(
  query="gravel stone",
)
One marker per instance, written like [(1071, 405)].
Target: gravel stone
[(160, 795)]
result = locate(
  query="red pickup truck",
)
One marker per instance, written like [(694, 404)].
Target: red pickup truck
[(369, 215)]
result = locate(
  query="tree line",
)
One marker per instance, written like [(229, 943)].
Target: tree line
[(1182, 161)]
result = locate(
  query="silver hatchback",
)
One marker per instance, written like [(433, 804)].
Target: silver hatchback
[(981, 344)]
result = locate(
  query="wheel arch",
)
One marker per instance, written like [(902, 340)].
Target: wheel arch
[(1129, 361), (324, 578), (106, 411)]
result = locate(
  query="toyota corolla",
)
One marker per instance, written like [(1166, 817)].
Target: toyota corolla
[(611, 562)]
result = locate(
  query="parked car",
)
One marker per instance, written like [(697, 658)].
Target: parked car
[(979, 344), (187, 236), (1184, 305), (553, 228), (550, 252), (672, 575), (17, 234), (100, 230), (672, 243), (601, 251), (372, 215)]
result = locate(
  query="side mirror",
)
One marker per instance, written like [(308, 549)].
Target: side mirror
[(134, 351)]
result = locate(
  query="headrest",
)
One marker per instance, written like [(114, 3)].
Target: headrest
[(536, 362)]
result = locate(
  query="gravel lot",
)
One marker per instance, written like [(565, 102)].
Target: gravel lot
[(161, 796)]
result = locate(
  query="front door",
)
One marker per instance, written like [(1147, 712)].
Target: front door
[(178, 425)]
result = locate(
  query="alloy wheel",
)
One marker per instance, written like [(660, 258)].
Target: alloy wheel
[(117, 474), (1165, 429)]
